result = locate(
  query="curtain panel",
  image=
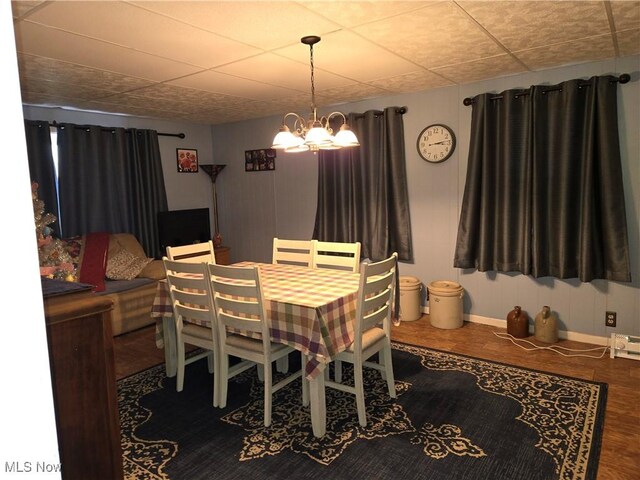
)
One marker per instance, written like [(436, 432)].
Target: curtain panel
[(110, 180), (362, 191), (544, 193), (41, 167)]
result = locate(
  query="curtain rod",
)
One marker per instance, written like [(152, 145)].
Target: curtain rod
[(400, 110), (179, 135), (623, 78)]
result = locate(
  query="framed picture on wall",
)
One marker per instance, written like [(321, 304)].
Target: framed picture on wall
[(259, 160), (187, 159)]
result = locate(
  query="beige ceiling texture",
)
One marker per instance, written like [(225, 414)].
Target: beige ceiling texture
[(216, 62)]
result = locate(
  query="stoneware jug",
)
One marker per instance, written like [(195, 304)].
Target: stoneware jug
[(518, 323), (546, 326)]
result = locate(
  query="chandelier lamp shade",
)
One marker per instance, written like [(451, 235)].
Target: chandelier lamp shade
[(315, 133)]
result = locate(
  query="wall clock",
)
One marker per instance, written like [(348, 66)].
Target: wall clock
[(436, 143)]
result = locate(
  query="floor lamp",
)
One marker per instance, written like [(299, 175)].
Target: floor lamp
[(213, 170)]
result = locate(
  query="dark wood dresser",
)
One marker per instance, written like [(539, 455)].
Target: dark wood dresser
[(84, 385)]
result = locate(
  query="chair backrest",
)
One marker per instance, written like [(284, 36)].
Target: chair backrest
[(375, 297), (238, 301), (190, 293), (293, 252), (337, 255), (193, 253)]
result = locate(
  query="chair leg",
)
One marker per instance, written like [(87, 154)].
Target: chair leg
[(181, 363), (216, 379), (305, 382), (260, 372), (267, 394), (211, 362), (223, 369), (282, 364), (385, 356), (359, 384), (337, 365)]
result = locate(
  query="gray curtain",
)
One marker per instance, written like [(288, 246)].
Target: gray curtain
[(544, 193), (41, 168), (110, 180), (362, 191)]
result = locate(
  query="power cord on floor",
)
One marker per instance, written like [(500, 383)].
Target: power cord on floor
[(553, 348)]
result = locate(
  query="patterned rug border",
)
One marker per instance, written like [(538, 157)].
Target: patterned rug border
[(592, 465), (153, 377)]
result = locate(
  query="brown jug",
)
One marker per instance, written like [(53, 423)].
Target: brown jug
[(518, 323), (546, 326)]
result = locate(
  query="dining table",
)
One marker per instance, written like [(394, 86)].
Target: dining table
[(310, 309)]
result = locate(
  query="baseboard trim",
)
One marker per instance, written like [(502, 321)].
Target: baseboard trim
[(563, 334)]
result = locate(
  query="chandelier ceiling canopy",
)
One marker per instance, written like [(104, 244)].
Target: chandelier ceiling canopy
[(314, 133)]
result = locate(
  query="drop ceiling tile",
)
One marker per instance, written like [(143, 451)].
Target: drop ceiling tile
[(353, 13), (22, 7), (82, 92), (521, 25), (577, 51), (344, 53), (493, 67), (629, 42), (205, 100), (262, 24), (35, 39), (216, 82), (300, 104), (350, 93), (136, 28), (132, 111), (213, 117), (626, 14), (40, 99), (412, 82), (31, 66), (277, 70), (432, 36)]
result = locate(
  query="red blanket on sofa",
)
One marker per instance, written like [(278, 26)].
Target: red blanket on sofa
[(90, 250)]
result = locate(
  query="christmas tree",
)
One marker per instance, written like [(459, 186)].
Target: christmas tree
[(55, 261)]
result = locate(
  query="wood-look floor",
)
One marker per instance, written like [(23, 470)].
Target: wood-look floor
[(620, 454)]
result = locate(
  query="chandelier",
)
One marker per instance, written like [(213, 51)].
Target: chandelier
[(315, 133)]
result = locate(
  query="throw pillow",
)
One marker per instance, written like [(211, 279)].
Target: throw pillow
[(124, 265)]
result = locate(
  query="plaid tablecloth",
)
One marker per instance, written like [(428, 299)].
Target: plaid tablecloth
[(312, 310)]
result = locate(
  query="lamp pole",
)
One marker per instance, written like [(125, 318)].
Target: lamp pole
[(213, 170)]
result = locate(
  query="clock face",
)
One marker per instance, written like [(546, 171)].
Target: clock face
[(436, 143)]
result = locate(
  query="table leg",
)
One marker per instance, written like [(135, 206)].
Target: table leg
[(318, 405), (170, 353)]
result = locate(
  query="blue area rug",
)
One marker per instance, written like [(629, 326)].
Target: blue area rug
[(455, 417)]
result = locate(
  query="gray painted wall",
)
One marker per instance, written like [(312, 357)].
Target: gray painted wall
[(257, 206)]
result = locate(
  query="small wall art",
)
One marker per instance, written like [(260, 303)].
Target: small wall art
[(187, 160), (259, 160)]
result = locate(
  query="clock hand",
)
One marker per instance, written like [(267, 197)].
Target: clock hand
[(439, 143)]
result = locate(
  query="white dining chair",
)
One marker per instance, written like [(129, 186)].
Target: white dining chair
[(293, 252), (372, 331), (241, 311), (194, 317), (193, 253), (337, 255)]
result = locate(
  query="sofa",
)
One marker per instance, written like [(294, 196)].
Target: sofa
[(118, 268), (132, 299)]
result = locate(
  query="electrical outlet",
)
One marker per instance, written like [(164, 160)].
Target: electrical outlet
[(610, 319)]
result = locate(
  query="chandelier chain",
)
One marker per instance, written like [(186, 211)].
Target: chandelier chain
[(313, 87)]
